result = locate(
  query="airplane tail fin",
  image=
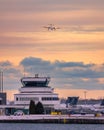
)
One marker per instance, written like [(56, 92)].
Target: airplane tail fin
[(102, 102), (72, 100)]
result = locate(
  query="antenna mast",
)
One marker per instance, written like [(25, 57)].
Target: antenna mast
[(1, 81)]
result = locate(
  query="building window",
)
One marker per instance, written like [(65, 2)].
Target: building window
[(28, 98), (49, 98), (16, 98)]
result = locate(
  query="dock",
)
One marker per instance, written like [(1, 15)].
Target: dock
[(61, 119)]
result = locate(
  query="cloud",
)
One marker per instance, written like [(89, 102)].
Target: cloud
[(64, 75), (36, 65), (79, 39), (71, 64), (11, 75), (57, 66), (42, 5), (28, 15), (51, 41), (5, 64)]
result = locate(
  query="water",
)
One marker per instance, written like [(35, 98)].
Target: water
[(22, 126)]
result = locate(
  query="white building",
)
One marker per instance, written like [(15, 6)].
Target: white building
[(36, 89)]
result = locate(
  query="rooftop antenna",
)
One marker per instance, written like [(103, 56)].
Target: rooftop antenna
[(85, 92)]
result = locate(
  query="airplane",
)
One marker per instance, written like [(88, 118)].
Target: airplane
[(71, 104), (51, 27), (93, 108)]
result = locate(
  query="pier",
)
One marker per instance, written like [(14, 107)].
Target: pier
[(61, 119)]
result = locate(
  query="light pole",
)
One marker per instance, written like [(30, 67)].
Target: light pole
[(85, 92), (1, 81)]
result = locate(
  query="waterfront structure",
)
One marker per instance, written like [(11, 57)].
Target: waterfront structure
[(37, 89)]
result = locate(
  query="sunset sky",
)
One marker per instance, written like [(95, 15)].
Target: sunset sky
[(73, 56)]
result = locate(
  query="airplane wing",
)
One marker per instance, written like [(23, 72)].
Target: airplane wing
[(45, 27)]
